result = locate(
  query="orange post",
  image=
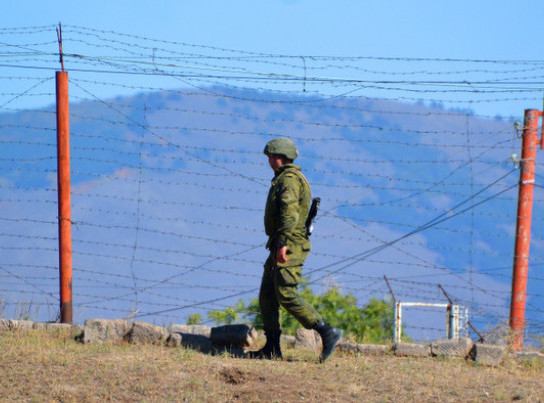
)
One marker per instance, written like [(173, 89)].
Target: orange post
[(523, 227), (63, 181)]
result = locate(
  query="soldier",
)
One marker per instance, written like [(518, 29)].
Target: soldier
[(288, 241)]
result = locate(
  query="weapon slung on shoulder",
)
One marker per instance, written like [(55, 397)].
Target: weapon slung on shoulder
[(311, 215)]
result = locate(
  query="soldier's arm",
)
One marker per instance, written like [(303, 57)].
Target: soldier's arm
[(289, 208)]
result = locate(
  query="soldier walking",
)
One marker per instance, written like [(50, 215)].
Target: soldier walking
[(285, 219)]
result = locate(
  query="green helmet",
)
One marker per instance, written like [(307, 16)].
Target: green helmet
[(282, 146)]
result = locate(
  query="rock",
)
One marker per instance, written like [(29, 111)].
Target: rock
[(347, 347), (105, 330), (288, 340), (452, 348), (528, 355), (487, 354), (4, 324), (200, 330), (196, 342), (308, 338), (373, 349), (20, 325), (174, 340), (146, 333), (233, 336), (364, 349), (411, 350)]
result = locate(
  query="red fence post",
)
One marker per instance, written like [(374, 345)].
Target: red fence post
[(523, 227), (63, 181)]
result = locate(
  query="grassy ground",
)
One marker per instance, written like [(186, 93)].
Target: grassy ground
[(41, 366)]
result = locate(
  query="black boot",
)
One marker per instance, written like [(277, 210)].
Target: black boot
[(271, 349), (329, 336)]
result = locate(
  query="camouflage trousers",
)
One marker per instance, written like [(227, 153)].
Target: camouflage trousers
[(279, 288)]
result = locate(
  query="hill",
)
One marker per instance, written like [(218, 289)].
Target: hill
[(169, 187)]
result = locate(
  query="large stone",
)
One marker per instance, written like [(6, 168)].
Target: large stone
[(452, 348), (200, 330), (174, 340), (364, 349), (233, 336), (146, 333), (4, 324), (308, 338), (528, 355), (20, 325), (411, 350), (487, 354), (196, 342), (287, 340), (105, 330)]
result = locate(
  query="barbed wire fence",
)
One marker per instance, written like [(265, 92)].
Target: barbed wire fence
[(169, 181)]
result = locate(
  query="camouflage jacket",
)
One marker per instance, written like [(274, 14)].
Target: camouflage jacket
[(286, 210)]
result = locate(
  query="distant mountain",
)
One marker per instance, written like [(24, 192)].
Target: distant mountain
[(169, 189)]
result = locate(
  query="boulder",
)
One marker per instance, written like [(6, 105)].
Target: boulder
[(200, 330), (4, 324), (233, 336), (20, 325), (196, 342), (411, 350), (452, 348), (364, 349), (174, 340), (146, 333), (105, 330), (288, 340), (487, 354), (308, 338)]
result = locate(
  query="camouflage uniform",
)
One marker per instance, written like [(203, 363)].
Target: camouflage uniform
[(285, 218)]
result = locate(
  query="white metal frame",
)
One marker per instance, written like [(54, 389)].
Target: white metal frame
[(453, 313)]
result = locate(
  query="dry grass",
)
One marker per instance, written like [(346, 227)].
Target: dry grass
[(40, 366)]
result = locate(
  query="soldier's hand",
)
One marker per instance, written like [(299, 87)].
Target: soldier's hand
[(281, 255)]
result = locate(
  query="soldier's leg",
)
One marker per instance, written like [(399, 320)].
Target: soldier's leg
[(286, 280), (268, 301)]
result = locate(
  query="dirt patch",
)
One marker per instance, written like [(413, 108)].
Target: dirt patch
[(233, 375)]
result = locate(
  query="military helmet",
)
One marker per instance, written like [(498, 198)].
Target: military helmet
[(282, 146)]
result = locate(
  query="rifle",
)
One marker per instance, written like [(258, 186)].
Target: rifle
[(311, 215)]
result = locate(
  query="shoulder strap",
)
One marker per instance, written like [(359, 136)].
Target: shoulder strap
[(299, 175)]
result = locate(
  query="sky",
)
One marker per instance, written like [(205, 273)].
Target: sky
[(482, 30), (462, 29)]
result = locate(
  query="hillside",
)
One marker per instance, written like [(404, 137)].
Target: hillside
[(169, 187), (151, 373)]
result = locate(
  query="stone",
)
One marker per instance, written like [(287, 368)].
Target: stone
[(174, 340), (233, 336), (200, 330), (347, 347), (487, 354), (373, 349), (411, 350), (308, 338), (20, 325), (364, 349), (4, 324), (287, 340), (528, 355), (452, 348), (196, 342), (105, 331), (146, 333)]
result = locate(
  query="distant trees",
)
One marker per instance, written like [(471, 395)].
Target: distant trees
[(373, 323)]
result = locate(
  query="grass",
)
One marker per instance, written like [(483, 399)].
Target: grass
[(43, 366)]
